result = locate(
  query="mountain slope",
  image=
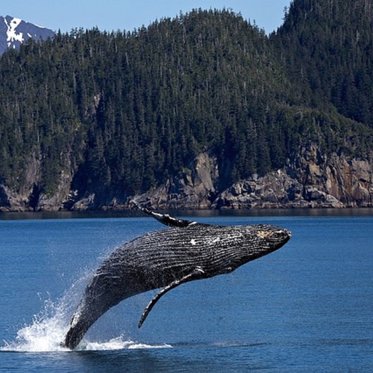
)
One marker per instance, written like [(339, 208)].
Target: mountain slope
[(327, 45), (14, 32), (189, 112)]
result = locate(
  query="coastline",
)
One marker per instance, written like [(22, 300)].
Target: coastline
[(198, 213)]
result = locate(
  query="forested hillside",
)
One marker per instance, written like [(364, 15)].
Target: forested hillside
[(106, 116), (328, 47)]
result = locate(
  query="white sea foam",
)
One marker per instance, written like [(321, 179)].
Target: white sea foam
[(120, 343), (45, 333), (48, 329)]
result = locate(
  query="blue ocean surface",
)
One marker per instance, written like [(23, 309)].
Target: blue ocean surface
[(307, 307)]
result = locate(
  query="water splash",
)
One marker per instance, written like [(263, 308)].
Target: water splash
[(48, 329), (119, 343), (45, 333)]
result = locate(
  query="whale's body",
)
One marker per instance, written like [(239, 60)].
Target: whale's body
[(165, 259)]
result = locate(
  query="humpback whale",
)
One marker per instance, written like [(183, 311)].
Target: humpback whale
[(165, 259)]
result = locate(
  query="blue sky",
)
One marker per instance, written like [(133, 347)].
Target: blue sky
[(130, 14)]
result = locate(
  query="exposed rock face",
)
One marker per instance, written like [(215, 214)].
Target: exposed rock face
[(10, 201), (23, 199), (310, 180), (56, 201), (31, 197), (193, 189), (276, 189), (349, 181)]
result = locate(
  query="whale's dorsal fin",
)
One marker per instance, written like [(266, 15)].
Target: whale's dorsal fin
[(165, 218), (197, 273)]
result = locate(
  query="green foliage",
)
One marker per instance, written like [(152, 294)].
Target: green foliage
[(125, 111), (327, 47)]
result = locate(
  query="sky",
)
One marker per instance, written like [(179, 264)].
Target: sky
[(128, 15)]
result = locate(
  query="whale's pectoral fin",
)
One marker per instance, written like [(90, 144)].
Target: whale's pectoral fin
[(165, 218), (197, 273)]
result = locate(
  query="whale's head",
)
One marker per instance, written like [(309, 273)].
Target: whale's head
[(260, 240), (238, 245)]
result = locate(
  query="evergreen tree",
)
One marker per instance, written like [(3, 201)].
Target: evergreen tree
[(124, 111)]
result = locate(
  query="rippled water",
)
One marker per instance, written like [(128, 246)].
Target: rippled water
[(306, 307)]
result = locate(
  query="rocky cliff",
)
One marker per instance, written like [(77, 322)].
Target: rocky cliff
[(311, 180)]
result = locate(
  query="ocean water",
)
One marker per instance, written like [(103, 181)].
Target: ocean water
[(306, 308)]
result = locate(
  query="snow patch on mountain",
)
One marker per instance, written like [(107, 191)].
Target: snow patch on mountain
[(11, 32), (15, 31)]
